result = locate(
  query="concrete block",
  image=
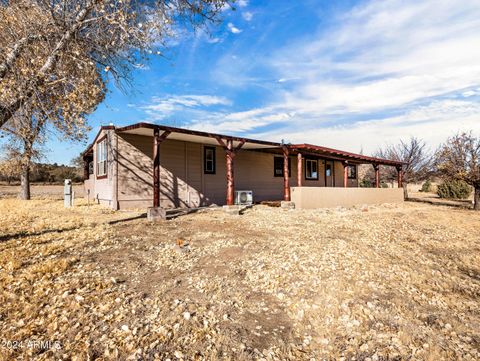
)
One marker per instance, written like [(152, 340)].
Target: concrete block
[(233, 210), (287, 205), (156, 213)]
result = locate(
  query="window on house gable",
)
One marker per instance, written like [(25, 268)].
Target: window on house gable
[(102, 157), (209, 160)]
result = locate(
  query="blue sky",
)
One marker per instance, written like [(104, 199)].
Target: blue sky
[(346, 74)]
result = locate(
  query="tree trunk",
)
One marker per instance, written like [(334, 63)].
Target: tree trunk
[(25, 182), (25, 174), (405, 190), (476, 199)]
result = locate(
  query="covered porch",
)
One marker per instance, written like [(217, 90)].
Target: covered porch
[(344, 194), (313, 166)]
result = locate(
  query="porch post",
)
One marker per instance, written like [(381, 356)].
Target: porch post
[(286, 185), (299, 169), (377, 175), (230, 178), (230, 153), (345, 174), (157, 140), (400, 177), (156, 168)]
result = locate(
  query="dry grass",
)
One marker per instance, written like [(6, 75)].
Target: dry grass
[(396, 282), (39, 191)]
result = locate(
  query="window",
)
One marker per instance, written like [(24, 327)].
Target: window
[(352, 172), (278, 167), (311, 169), (209, 160), (90, 167), (102, 158), (328, 169)]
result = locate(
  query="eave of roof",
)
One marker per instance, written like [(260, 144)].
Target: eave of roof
[(90, 146), (311, 148), (195, 132), (348, 155)]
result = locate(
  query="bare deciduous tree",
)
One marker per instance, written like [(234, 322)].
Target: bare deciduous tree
[(459, 158), (43, 41), (415, 156), (9, 167)]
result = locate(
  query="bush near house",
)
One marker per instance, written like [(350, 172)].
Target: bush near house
[(426, 186), (454, 189)]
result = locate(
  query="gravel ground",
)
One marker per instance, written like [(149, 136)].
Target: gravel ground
[(391, 282)]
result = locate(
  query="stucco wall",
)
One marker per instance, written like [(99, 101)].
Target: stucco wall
[(309, 198)]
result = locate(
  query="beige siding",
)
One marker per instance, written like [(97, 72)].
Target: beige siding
[(339, 176), (183, 182), (194, 166), (255, 171), (102, 189), (215, 185), (135, 171)]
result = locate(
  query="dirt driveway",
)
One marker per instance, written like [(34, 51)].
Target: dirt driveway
[(393, 282)]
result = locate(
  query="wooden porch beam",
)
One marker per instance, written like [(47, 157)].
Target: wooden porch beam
[(400, 177), (157, 140), (345, 174), (230, 152), (286, 185), (377, 175), (300, 169)]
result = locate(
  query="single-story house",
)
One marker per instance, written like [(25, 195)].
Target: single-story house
[(150, 165)]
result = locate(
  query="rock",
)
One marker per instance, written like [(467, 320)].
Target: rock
[(178, 354)]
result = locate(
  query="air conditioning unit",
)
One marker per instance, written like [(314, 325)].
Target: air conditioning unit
[(244, 197)]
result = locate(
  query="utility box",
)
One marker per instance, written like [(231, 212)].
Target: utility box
[(67, 193)]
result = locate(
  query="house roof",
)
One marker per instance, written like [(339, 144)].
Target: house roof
[(195, 135), (343, 155), (147, 129)]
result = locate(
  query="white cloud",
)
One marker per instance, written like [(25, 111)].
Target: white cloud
[(433, 123), (247, 15), (213, 40), (381, 58), (387, 70), (242, 3), (233, 28), (162, 107)]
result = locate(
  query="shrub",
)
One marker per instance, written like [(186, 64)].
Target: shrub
[(454, 189), (365, 183), (427, 186)]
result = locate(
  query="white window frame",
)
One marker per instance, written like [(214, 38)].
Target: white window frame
[(102, 158)]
